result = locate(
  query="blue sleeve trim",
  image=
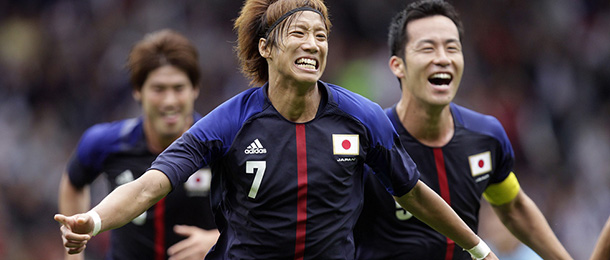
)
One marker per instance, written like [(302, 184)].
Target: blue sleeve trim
[(96, 144)]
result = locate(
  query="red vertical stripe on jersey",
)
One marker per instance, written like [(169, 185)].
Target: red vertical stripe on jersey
[(299, 250), (443, 185), (160, 230)]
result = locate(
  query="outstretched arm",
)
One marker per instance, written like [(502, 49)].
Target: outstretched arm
[(431, 209), (524, 220), (602, 248), (118, 208)]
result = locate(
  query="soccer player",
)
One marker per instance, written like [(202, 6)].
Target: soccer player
[(460, 153), (602, 247), (287, 158), (165, 76)]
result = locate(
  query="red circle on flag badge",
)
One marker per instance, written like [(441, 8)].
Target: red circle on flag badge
[(481, 163), (346, 144)]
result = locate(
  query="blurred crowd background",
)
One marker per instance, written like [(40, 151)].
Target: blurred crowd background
[(541, 67)]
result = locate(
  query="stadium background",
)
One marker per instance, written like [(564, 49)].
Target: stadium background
[(541, 67)]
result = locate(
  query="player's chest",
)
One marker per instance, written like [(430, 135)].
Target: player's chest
[(323, 148), (462, 162)]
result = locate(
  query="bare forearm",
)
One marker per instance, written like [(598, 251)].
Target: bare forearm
[(602, 247), (72, 200), (527, 223), (431, 209), (129, 200)]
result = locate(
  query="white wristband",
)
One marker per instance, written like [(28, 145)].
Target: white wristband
[(480, 251), (97, 222)]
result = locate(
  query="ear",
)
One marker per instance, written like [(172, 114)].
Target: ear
[(263, 49), (137, 95), (196, 92), (397, 66)]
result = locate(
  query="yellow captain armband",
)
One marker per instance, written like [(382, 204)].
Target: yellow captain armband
[(503, 192)]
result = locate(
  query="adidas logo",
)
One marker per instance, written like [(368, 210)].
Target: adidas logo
[(255, 148)]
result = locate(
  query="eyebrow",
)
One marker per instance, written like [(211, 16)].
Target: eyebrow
[(166, 85), (450, 40), (305, 25)]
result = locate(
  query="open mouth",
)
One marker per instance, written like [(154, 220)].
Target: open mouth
[(440, 78), (170, 117), (307, 63)]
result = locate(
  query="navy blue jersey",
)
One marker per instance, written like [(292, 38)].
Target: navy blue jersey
[(290, 190), (118, 150), (479, 154)]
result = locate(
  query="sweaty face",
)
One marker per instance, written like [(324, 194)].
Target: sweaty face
[(433, 60), (167, 99), (301, 55)]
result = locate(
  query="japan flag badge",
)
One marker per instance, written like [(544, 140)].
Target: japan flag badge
[(199, 183), (346, 144), (480, 163)]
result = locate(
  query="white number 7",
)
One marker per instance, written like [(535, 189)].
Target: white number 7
[(258, 177)]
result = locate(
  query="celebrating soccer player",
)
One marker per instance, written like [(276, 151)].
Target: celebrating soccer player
[(165, 78), (461, 154), (287, 158)]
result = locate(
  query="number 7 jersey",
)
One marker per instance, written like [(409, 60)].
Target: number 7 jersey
[(290, 190)]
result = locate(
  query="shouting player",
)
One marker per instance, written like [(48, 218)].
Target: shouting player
[(287, 158), (461, 154)]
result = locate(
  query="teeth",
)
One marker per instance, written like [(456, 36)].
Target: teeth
[(306, 63), (441, 76)]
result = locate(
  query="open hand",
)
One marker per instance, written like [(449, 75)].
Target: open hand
[(196, 244)]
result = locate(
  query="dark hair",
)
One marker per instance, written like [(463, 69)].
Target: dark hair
[(164, 47), (255, 19), (398, 37)]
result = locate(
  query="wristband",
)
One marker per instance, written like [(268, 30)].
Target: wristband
[(480, 251), (97, 222)]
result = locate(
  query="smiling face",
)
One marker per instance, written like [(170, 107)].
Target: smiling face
[(302, 51), (168, 98), (433, 64)]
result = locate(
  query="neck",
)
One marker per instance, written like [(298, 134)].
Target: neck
[(296, 103), (156, 142), (156, 145), (430, 125)]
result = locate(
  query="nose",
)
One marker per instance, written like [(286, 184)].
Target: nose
[(310, 44), (170, 98), (441, 58)]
